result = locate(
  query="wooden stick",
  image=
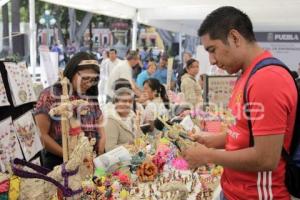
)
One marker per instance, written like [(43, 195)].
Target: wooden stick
[(64, 120)]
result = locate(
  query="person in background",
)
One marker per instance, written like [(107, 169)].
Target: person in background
[(190, 87), (123, 70), (121, 122), (157, 103), (124, 83), (180, 71), (146, 74), (136, 70), (83, 73), (161, 72), (106, 68), (144, 57), (252, 170), (296, 77), (71, 49)]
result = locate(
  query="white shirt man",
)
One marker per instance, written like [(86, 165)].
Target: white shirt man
[(106, 68), (122, 70)]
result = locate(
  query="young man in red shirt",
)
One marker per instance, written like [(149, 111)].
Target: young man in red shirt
[(256, 172)]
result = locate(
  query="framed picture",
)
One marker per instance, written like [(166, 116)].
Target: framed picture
[(9, 145), (217, 90), (3, 95), (28, 135), (20, 83)]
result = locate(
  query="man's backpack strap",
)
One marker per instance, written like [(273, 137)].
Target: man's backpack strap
[(271, 61)]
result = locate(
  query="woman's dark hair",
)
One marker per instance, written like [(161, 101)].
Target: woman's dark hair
[(190, 62), (155, 85), (120, 92), (120, 83), (73, 67), (124, 83)]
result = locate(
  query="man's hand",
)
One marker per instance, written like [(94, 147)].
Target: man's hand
[(196, 155), (198, 138), (210, 140)]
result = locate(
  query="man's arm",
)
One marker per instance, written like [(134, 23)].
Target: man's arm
[(211, 140), (264, 156)]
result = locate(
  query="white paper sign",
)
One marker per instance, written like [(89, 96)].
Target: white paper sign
[(49, 67), (119, 154)]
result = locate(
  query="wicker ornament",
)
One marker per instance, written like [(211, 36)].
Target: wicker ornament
[(147, 172)]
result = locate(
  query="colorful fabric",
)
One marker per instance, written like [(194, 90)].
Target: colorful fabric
[(14, 188), (50, 97), (4, 186), (274, 90), (4, 196)]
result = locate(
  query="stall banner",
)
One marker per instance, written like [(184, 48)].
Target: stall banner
[(283, 45), (49, 67)]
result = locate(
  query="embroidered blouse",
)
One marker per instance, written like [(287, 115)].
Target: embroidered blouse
[(50, 97)]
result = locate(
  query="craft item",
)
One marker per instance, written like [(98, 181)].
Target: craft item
[(117, 155), (147, 171), (3, 96), (175, 186), (41, 183), (137, 160), (180, 164), (124, 194), (20, 83), (28, 135), (99, 172), (70, 127), (9, 145), (160, 161), (14, 188)]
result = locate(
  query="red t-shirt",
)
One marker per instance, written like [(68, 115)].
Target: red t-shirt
[(273, 89)]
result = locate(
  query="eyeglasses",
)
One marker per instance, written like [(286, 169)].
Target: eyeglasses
[(89, 79)]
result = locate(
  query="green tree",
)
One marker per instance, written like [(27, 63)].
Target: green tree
[(15, 15), (5, 20)]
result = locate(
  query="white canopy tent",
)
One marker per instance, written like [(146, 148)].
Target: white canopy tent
[(185, 16), (3, 2)]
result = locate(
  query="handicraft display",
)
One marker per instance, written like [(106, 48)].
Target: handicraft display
[(3, 96), (28, 135), (218, 89), (20, 83), (9, 145)]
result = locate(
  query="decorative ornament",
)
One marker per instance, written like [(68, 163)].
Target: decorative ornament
[(147, 172)]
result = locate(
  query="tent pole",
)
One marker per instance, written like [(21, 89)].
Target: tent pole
[(134, 31), (32, 33), (180, 46)]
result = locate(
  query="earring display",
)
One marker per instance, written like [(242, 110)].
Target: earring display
[(28, 135), (20, 83), (3, 96), (9, 145), (219, 89)]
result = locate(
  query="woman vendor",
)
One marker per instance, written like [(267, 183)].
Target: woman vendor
[(83, 74)]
